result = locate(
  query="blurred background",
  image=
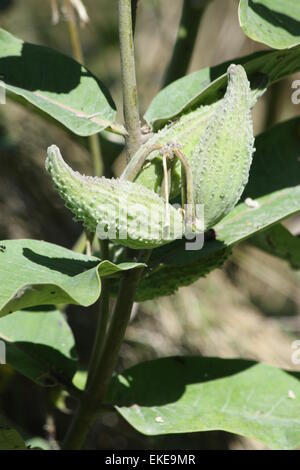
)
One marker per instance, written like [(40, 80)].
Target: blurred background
[(249, 308)]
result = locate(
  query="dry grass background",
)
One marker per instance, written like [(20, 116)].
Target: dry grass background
[(250, 308)]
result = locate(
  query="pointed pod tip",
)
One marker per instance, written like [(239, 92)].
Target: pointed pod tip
[(54, 160), (236, 69), (53, 151)]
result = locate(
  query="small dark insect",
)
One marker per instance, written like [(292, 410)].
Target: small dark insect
[(2, 248)]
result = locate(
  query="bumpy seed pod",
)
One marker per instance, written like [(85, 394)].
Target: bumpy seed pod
[(165, 277), (128, 213), (186, 132), (217, 141), (221, 161), (166, 280)]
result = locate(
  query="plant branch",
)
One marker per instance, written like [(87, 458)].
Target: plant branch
[(192, 12), (130, 96), (102, 320), (104, 358), (78, 55), (95, 393)]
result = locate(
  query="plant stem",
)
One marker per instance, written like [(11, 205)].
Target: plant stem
[(78, 55), (105, 357), (130, 96), (95, 393), (96, 154), (100, 331), (102, 320), (73, 32), (192, 12)]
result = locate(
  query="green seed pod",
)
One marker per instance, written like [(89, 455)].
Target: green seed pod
[(221, 161), (128, 213), (217, 141), (166, 280), (165, 277), (186, 132)]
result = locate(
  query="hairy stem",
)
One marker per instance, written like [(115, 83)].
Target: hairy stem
[(130, 96), (192, 11)]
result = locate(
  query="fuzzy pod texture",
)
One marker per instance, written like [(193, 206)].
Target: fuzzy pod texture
[(222, 159), (186, 132), (218, 143), (167, 279), (125, 212)]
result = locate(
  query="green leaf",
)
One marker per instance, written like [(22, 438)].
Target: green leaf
[(80, 378), (173, 266), (208, 85), (275, 23), (40, 345), (276, 160), (244, 221), (57, 85), (191, 394), (10, 439), (274, 184), (38, 443), (278, 241), (35, 273)]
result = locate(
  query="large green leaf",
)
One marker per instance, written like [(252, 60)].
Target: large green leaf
[(10, 439), (40, 345), (245, 221), (275, 23), (35, 273), (208, 85), (190, 394), (57, 85), (276, 160), (274, 184), (173, 266), (279, 242)]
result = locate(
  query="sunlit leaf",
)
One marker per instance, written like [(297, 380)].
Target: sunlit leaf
[(275, 23), (35, 273), (192, 394), (57, 85), (208, 85)]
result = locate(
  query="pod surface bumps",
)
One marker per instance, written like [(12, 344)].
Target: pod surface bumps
[(218, 143), (132, 215), (186, 132), (221, 161), (166, 280)]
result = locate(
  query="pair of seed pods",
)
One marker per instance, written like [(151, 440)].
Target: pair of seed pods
[(205, 155)]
